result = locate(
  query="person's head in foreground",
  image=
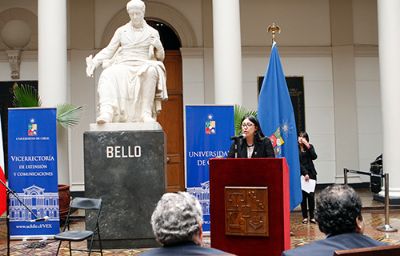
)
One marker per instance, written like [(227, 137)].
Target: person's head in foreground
[(338, 210), (177, 218), (338, 213)]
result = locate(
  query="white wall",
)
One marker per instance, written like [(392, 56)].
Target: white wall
[(369, 111), (303, 23), (365, 26), (26, 4), (193, 76)]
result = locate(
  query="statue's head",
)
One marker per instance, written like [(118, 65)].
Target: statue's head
[(136, 10), (136, 4)]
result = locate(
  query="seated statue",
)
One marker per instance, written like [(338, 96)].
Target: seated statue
[(133, 82)]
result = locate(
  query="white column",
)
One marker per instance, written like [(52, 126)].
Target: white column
[(389, 64), (227, 52), (52, 61)]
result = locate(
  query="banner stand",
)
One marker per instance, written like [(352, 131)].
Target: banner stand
[(208, 132), (33, 208)]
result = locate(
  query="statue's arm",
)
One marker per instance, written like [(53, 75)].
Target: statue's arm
[(105, 54), (158, 47), (109, 51)]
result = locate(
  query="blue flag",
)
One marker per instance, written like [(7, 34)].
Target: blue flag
[(275, 114)]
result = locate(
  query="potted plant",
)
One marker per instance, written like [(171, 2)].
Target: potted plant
[(239, 113)]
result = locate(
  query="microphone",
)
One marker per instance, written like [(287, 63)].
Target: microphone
[(45, 218), (241, 136)]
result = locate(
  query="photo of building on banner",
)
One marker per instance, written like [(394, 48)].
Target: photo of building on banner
[(32, 172), (208, 132)]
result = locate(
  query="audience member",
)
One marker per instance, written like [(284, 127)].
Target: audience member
[(177, 225), (338, 214)]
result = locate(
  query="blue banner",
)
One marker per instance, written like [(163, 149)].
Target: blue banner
[(208, 132), (32, 172)]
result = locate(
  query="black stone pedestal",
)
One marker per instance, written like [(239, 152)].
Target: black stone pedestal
[(126, 170)]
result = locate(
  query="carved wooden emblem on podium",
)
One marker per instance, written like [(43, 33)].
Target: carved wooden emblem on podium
[(246, 211)]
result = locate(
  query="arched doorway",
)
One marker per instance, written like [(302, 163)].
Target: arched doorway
[(171, 117)]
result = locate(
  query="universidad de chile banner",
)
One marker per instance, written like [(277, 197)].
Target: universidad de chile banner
[(208, 132), (32, 172)]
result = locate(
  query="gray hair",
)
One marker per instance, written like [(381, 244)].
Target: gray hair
[(135, 4), (177, 218)]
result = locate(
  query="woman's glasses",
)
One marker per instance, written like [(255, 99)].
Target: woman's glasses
[(247, 125)]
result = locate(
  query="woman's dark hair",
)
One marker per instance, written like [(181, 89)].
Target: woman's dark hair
[(304, 135), (258, 135), (337, 210)]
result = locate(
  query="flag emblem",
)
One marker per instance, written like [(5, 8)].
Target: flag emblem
[(210, 125), (32, 128), (277, 141)]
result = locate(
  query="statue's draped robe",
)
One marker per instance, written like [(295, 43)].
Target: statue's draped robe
[(125, 61)]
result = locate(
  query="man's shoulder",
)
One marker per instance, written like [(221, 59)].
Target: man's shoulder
[(184, 249), (357, 239), (328, 245), (312, 249)]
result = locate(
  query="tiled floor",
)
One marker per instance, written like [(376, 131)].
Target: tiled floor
[(303, 233)]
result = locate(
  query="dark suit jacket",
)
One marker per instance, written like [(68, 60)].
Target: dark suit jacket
[(188, 248), (262, 148), (306, 162), (327, 246)]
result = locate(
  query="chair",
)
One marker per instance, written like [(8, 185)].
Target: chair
[(90, 205), (386, 250)]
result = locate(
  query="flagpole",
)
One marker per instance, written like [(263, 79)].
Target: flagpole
[(276, 117), (273, 29)]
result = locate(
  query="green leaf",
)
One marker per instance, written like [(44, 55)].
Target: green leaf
[(25, 96), (239, 113), (68, 115)]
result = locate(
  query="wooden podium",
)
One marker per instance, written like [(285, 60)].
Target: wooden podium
[(249, 206)]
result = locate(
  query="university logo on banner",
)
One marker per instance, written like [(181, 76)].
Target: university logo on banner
[(210, 125), (32, 158), (32, 128), (208, 132)]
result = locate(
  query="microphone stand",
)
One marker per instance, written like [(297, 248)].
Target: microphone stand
[(10, 191), (236, 141)]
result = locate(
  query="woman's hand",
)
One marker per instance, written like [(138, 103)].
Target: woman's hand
[(306, 177), (304, 142)]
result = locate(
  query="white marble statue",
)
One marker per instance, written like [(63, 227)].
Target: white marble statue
[(133, 82)]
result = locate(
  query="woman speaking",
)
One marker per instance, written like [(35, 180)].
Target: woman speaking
[(251, 143)]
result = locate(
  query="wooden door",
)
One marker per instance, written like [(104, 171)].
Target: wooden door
[(171, 119)]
